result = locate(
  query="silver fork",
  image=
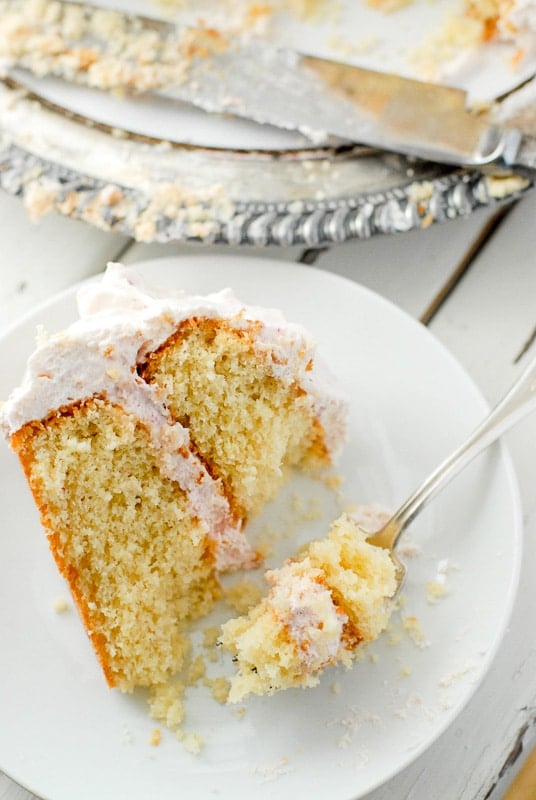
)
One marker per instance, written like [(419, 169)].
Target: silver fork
[(519, 401)]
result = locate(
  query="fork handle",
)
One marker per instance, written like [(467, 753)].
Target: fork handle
[(519, 401)]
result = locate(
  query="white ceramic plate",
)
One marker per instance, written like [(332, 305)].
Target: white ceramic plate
[(63, 734)]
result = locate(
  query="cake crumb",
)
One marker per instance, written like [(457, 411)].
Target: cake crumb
[(41, 336), (156, 737), (415, 631), (303, 510), (400, 602), (210, 636), (243, 595), (297, 503), (388, 6), (192, 742), (500, 186), (436, 591), (114, 374), (212, 655), (408, 549), (196, 671), (314, 511), (335, 688), (240, 712), (60, 605), (333, 482), (393, 636), (405, 671), (210, 642), (426, 221), (265, 542), (455, 675), (166, 703), (39, 199), (219, 688)]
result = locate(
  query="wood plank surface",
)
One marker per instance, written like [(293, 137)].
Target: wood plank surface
[(411, 269), (523, 787)]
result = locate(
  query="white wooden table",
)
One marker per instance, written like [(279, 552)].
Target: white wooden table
[(473, 282)]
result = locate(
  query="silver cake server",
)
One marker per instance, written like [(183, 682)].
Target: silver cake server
[(269, 85), (319, 97)]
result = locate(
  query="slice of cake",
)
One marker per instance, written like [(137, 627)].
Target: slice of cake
[(322, 605), (149, 431)]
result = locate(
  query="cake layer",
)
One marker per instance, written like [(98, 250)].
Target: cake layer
[(137, 560), (212, 379), (321, 607)]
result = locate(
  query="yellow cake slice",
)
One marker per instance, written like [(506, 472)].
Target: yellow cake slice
[(322, 605), (149, 431)]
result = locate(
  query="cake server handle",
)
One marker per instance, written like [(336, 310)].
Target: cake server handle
[(520, 153)]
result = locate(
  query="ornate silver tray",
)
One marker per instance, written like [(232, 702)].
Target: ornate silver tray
[(225, 185), (157, 191)]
